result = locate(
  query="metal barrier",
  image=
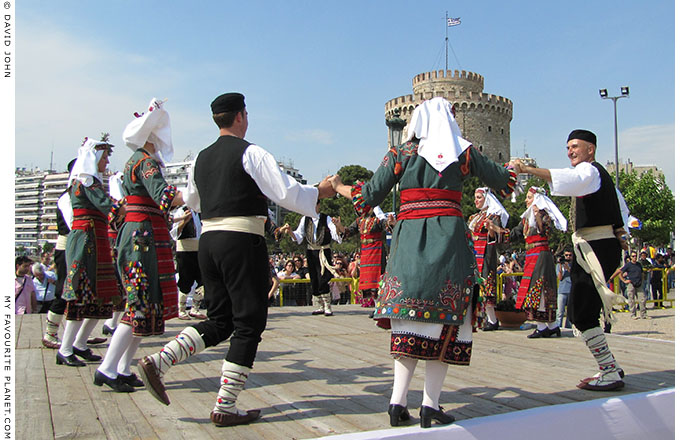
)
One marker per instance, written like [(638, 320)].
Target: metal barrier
[(354, 284), (616, 286)]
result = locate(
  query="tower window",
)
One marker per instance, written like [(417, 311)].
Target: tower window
[(481, 148), (489, 129), (500, 156)]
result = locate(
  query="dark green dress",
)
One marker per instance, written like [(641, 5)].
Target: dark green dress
[(90, 287), (144, 252)]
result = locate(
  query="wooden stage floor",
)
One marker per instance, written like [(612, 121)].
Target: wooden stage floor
[(315, 376)]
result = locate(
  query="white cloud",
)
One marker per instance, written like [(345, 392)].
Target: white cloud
[(322, 137)]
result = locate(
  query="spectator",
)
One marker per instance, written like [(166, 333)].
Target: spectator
[(564, 285), (275, 283), (24, 291), (631, 275), (646, 265), (656, 278), (44, 284), (289, 289)]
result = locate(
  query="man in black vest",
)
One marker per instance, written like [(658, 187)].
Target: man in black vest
[(228, 185), (318, 232), (598, 232), (186, 231)]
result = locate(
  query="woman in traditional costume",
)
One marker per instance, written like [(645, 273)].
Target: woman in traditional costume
[(144, 252), (90, 286), (537, 294), (485, 241), (431, 276), (372, 229)]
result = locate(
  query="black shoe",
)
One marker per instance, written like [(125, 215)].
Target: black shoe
[(490, 327), (427, 413), (397, 414), (328, 313), (116, 384), (556, 331), (70, 361), (317, 312), (132, 380), (540, 333), (107, 330), (607, 327), (87, 355)]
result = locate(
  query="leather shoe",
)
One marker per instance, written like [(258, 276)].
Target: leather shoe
[(545, 333), (556, 331), (490, 327), (328, 314), (116, 384), (198, 316), (94, 341), (131, 380), (152, 380), (613, 386), (398, 413), (107, 330), (225, 419), (317, 312), (49, 344), (427, 414), (70, 361), (87, 355)]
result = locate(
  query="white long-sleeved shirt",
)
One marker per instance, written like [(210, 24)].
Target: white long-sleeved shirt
[(299, 232), (273, 182), (582, 180)]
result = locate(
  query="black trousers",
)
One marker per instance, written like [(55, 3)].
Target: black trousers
[(58, 305), (319, 282), (234, 267), (584, 303), (188, 270)]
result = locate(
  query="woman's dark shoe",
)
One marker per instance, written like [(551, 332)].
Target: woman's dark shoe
[(87, 354), (545, 333), (131, 380), (397, 414), (427, 414), (107, 330), (116, 384), (490, 327), (70, 361)]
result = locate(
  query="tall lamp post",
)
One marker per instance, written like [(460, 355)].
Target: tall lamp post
[(625, 91), (395, 129)]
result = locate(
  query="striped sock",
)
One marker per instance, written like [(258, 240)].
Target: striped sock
[(232, 381)]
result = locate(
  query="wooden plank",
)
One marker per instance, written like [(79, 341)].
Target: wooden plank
[(31, 396)]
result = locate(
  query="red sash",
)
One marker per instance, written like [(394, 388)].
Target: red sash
[(106, 283), (429, 202), (531, 258), (142, 208)]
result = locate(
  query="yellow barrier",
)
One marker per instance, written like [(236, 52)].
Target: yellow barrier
[(354, 284), (616, 285)]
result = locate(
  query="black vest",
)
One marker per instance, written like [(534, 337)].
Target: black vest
[(323, 234), (62, 227), (189, 230), (225, 188), (599, 208)]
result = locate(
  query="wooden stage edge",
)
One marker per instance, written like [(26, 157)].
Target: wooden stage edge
[(317, 376)]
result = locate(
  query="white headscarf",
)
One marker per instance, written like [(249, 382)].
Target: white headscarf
[(493, 206), (86, 166), (153, 126), (544, 203), (440, 139), (115, 186)]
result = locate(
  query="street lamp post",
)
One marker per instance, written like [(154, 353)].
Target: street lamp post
[(625, 91), (395, 129)]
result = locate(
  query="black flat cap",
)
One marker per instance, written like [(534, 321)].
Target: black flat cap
[(583, 135), (227, 102)]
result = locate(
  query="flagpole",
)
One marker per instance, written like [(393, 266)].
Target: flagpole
[(446, 40)]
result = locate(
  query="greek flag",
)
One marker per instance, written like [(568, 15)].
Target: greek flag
[(453, 21)]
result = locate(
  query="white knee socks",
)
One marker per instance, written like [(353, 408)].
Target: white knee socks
[(490, 314), (434, 376), (232, 380), (403, 370), (68, 337), (87, 327), (119, 343)]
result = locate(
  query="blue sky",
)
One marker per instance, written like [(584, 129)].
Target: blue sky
[(317, 74)]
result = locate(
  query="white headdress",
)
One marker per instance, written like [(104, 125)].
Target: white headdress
[(115, 186), (440, 139), (86, 166), (544, 203), (152, 126), (493, 206)]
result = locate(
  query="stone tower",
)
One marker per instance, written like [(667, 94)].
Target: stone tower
[(483, 118)]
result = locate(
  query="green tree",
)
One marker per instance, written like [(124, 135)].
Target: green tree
[(650, 200)]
